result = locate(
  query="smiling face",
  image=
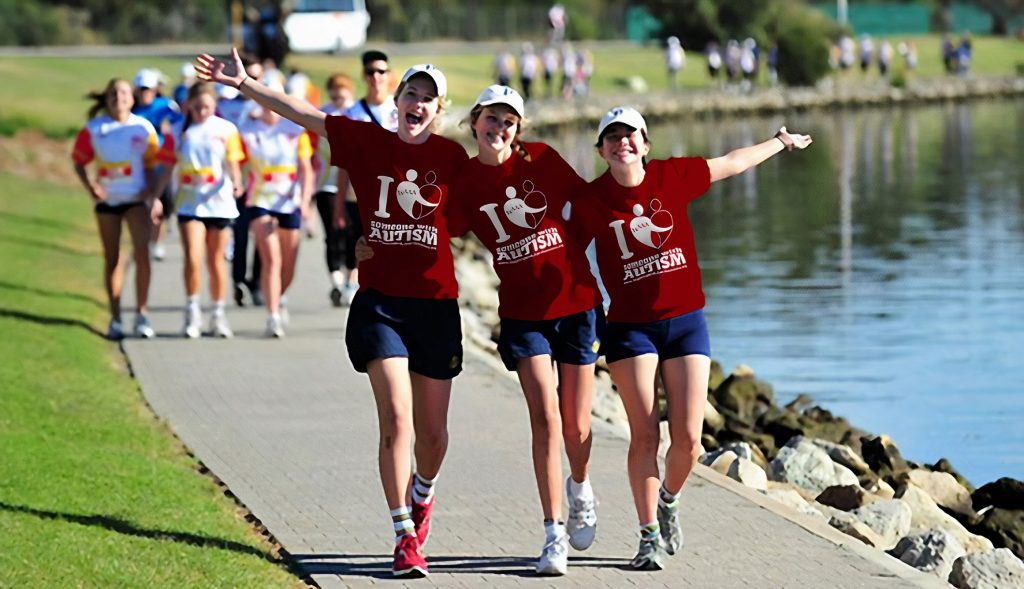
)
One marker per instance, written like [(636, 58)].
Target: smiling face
[(623, 146), (202, 107), (496, 128), (418, 105), (118, 99), (377, 75)]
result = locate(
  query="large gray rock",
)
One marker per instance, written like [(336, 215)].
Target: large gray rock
[(792, 499), (857, 529), (943, 488), (992, 569), (890, 519), (843, 454), (724, 461), (748, 473), (745, 450), (932, 551), (927, 516), (802, 463)]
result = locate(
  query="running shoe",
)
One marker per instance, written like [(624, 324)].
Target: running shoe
[(650, 555), (157, 251), (335, 296), (142, 327), (554, 558), (286, 317), (219, 327), (409, 561), (348, 293), (582, 521), (274, 328), (257, 295), (421, 519), (671, 528), (239, 295), (114, 330), (192, 319)]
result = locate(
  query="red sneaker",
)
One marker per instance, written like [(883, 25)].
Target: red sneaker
[(421, 519), (409, 561)]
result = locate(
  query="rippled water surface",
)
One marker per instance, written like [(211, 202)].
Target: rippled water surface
[(881, 271)]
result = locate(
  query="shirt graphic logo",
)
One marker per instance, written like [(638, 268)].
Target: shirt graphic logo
[(417, 201), (652, 231), (526, 212)]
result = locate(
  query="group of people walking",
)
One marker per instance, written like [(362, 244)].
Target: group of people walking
[(414, 190)]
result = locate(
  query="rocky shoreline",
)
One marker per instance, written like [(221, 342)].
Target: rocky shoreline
[(801, 455), (832, 92)]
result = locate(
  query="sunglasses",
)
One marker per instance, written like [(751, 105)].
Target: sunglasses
[(371, 71)]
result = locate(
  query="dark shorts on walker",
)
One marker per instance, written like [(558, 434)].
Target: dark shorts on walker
[(674, 337), (569, 340), (284, 220), (209, 222), (103, 208), (426, 331)]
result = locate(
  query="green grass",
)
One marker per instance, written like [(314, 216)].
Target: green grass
[(47, 93), (94, 492)]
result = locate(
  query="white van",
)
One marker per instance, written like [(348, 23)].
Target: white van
[(326, 25)]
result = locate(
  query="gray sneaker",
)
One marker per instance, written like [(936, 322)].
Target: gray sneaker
[(671, 528), (582, 521), (650, 555), (142, 328)]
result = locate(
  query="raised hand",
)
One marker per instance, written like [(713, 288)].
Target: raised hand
[(793, 140), (229, 72)]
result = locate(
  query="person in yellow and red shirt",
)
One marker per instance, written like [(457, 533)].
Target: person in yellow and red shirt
[(206, 177), (281, 179), (647, 258), (123, 149)]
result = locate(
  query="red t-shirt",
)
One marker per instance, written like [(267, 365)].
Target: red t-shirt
[(645, 248), (400, 188), (515, 209)]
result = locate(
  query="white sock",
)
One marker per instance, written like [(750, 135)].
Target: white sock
[(422, 489), (192, 302), (553, 530), (218, 308), (337, 279), (582, 490), (401, 520), (284, 301)]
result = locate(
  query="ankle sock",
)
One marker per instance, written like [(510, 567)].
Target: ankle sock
[(667, 499), (649, 531), (422, 489), (401, 519)]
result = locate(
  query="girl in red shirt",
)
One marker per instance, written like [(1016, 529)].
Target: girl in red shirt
[(512, 196), (637, 214), (403, 326)]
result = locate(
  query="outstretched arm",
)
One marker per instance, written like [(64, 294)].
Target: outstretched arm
[(744, 158), (232, 73)]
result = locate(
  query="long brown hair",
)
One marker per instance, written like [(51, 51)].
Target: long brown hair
[(100, 98), (517, 143)]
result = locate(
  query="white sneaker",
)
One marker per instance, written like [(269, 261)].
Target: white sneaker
[(348, 292), (283, 312), (114, 330), (192, 320), (142, 327), (219, 327), (582, 521), (274, 328), (554, 558), (157, 251)]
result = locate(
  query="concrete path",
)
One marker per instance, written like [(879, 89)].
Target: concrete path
[(291, 429)]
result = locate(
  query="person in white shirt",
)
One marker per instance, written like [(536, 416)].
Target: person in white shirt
[(675, 60)]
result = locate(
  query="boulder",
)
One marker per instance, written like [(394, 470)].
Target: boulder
[(883, 456), (1005, 527), (846, 497), (806, 465), (716, 377), (927, 515), (723, 462), (745, 450), (843, 454), (991, 569), (743, 394), (1006, 493), (708, 442), (791, 498), (713, 420), (745, 471), (931, 551), (801, 402), (822, 424), (780, 424), (944, 465), (890, 519), (943, 489), (859, 530)]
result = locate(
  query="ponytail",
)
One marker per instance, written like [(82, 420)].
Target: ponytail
[(99, 98)]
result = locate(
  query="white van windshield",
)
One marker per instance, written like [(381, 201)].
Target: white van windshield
[(324, 6)]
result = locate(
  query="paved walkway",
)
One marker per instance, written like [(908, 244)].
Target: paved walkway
[(291, 429)]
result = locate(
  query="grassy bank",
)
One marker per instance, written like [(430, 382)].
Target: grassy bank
[(47, 93), (93, 491)]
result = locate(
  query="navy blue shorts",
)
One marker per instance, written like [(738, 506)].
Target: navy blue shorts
[(284, 220), (103, 208), (209, 222), (570, 340), (674, 337), (426, 331)]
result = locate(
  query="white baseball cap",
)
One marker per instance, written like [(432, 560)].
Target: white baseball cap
[(497, 94), (188, 71), (621, 114), (146, 78), (434, 73), (226, 92)]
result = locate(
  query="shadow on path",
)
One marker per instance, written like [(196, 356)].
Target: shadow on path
[(379, 565), (46, 320), (129, 529)]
